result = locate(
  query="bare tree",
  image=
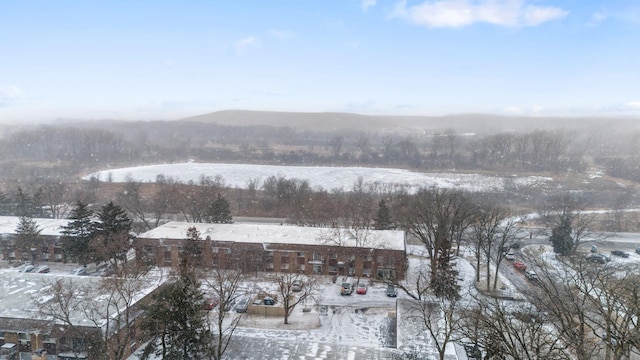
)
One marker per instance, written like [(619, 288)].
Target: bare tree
[(435, 217), (293, 289), (570, 222), (130, 197), (513, 331), (336, 143), (568, 310), (55, 197), (107, 306), (439, 319), (224, 284), (494, 231)]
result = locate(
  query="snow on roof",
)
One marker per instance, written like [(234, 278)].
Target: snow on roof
[(280, 234), (48, 227), (21, 293)]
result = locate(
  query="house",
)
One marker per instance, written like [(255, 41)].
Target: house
[(281, 248), (50, 235)]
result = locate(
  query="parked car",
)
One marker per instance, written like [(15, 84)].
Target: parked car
[(209, 303), (638, 250), (531, 275), (268, 300), (519, 265), (296, 286), (81, 271), (361, 289), (242, 305), (391, 291), (597, 258), (510, 255), (620, 253), (43, 269), (346, 288), (27, 268)]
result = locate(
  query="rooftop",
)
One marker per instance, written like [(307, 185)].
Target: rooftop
[(49, 227), (281, 234), (22, 293)]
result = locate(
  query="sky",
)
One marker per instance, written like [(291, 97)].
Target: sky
[(156, 59)]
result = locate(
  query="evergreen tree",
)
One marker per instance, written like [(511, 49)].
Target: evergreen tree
[(175, 321), (192, 254), (219, 212), (111, 239), (383, 220), (6, 206), (561, 238), (23, 204), (445, 282), (77, 234), (28, 238)]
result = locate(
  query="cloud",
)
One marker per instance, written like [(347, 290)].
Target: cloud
[(245, 43), (461, 13), (280, 34), (633, 105), (10, 95), (366, 4), (597, 18)]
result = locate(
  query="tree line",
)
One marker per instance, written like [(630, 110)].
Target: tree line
[(67, 149)]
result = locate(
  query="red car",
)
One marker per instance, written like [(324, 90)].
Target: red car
[(519, 265), (361, 289), (210, 303)]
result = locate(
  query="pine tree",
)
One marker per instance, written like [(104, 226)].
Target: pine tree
[(219, 212), (23, 204), (111, 239), (383, 217), (77, 234), (175, 321), (192, 254), (561, 238), (28, 238)]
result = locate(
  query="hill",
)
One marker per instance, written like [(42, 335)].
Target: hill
[(461, 123)]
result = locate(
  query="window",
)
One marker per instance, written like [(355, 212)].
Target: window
[(284, 266), (22, 336), (317, 269), (317, 256), (167, 254), (300, 253)]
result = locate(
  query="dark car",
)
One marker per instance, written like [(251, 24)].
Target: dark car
[(638, 250), (268, 300), (597, 258), (620, 253), (242, 305), (391, 291)]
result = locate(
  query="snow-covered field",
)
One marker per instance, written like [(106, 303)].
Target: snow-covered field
[(240, 175)]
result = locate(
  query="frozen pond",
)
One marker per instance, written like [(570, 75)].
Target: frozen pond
[(240, 175)]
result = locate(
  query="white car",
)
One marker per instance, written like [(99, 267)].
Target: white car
[(80, 271), (510, 256)]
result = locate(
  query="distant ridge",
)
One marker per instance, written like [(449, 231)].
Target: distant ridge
[(337, 121)]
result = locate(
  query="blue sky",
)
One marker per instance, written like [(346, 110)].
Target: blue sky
[(170, 59)]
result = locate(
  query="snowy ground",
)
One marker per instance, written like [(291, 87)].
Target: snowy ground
[(239, 176)]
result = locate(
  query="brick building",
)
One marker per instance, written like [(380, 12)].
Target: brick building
[(281, 248), (36, 336), (50, 234)]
